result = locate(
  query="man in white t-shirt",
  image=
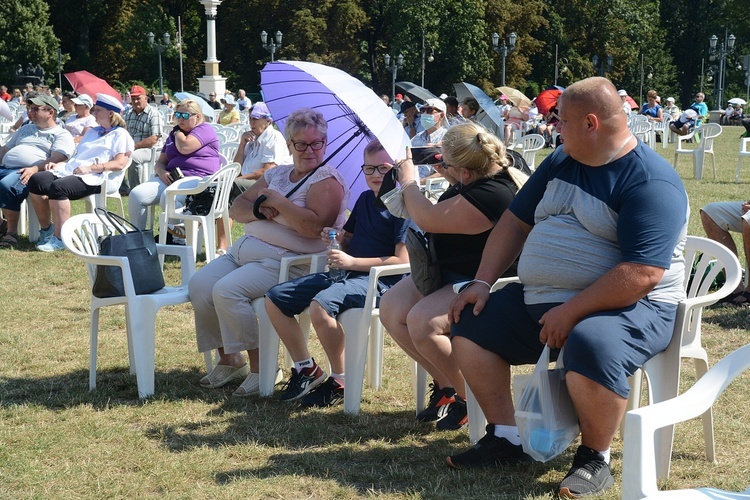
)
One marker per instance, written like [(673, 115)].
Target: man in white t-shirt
[(32, 146)]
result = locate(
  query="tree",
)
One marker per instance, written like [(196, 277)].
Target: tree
[(27, 38)]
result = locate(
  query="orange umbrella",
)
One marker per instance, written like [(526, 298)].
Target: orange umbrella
[(633, 104), (547, 99)]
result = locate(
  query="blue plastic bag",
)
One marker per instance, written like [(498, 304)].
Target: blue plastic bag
[(545, 415)]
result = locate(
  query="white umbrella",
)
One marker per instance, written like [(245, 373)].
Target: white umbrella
[(355, 114), (737, 100), (5, 111), (206, 109)]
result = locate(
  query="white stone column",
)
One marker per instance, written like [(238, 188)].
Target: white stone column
[(212, 81)]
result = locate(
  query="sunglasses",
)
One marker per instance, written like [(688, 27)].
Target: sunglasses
[(183, 116), (315, 145)]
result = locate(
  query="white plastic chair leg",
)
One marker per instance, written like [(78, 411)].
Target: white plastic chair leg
[(477, 421), (419, 383), (374, 373), (356, 347), (143, 321), (268, 344), (94, 345), (701, 367)]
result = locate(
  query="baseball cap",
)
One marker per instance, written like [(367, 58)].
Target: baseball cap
[(670, 99), (229, 99), (435, 103), (622, 93), (137, 90), (84, 99), (406, 105), (45, 100), (399, 96)]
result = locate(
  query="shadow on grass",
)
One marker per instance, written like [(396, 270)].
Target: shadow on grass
[(114, 387), (420, 471)]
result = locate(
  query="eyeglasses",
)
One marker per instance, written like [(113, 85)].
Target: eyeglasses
[(443, 165), (36, 109), (302, 146), (183, 115), (382, 169)]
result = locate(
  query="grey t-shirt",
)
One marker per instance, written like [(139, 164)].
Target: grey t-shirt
[(30, 145)]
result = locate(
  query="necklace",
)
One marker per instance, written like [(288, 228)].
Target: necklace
[(622, 146)]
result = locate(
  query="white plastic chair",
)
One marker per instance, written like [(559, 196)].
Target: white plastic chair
[(434, 187), (662, 371), (708, 132), (223, 181), (140, 310), (662, 129), (269, 341), (110, 189), (229, 149), (530, 144), (477, 420), (642, 130), (744, 151), (640, 456)]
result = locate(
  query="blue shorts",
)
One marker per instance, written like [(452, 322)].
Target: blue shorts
[(294, 296), (606, 347)]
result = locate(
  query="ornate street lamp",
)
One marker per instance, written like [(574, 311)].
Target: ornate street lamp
[(393, 68), (721, 53), (271, 47), (151, 37), (504, 49)]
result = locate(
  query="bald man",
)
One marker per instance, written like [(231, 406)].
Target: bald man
[(600, 227)]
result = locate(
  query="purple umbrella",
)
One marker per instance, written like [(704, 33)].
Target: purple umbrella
[(355, 114)]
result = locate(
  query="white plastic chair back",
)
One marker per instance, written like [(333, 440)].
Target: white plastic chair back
[(81, 234), (708, 132), (223, 181), (530, 144), (708, 258), (744, 151), (110, 189), (229, 149), (641, 129), (640, 452)]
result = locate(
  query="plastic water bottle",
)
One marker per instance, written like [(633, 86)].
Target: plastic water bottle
[(335, 274)]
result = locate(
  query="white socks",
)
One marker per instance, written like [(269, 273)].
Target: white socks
[(509, 432), (339, 377), (305, 363), (606, 454)]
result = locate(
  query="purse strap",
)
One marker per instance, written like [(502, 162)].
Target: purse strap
[(300, 183), (112, 220)]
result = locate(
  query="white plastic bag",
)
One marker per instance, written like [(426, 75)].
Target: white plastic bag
[(545, 415)]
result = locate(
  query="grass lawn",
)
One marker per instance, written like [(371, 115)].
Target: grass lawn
[(58, 440)]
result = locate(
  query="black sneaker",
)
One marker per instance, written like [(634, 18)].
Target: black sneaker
[(490, 451), (456, 417), (589, 475), (301, 383), (329, 393), (437, 407)]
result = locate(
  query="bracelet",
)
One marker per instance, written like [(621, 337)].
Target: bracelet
[(480, 281)]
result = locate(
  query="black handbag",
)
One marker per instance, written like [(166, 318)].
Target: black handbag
[(425, 271), (126, 240)]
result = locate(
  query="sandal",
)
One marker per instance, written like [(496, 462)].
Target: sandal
[(10, 240), (221, 375)]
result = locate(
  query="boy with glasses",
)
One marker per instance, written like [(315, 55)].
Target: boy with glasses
[(371, 237)]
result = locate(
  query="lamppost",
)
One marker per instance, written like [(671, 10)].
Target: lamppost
[(430, 58), (271, 47), (159, 46), (561, 65), (393, 68), (605, 66), (648, 75), (721, 53), (504, 49)]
